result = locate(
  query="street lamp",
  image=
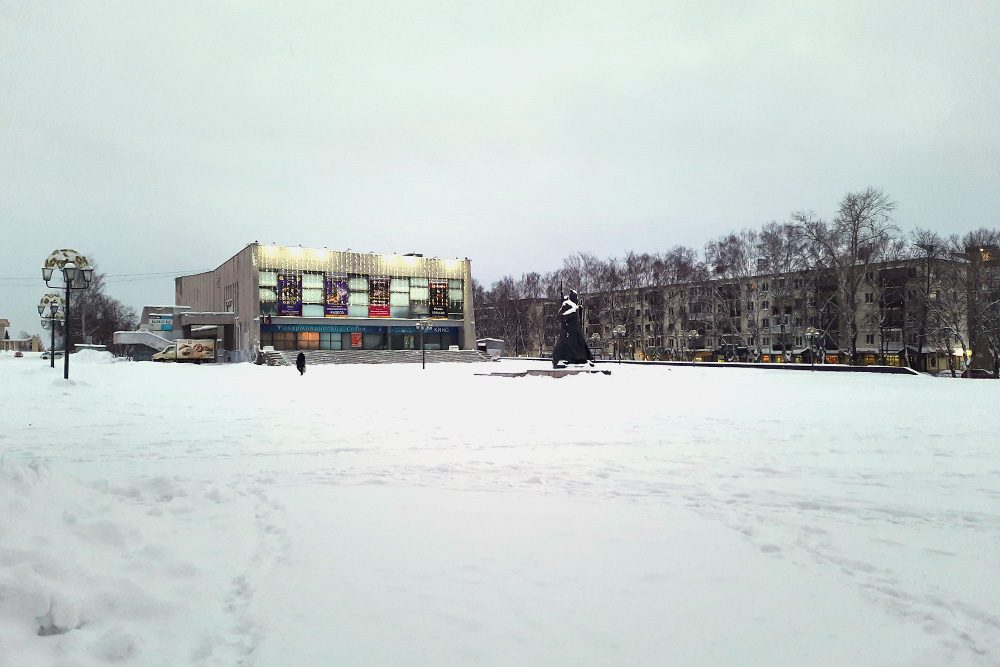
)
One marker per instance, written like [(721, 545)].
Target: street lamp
[(423, 325), (691, 336), (812, 335), (77, 275), (50, 309), (618, 333)]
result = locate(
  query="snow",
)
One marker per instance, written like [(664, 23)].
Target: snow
[(169, 514)]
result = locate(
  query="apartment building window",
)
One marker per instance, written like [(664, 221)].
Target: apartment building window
[(797, 283), (781, 282), (766, 341), (798, 321), (749, 305), (869, 297), (763, 287), (798, 341), (766, 322), (764, 305), (869, 339)]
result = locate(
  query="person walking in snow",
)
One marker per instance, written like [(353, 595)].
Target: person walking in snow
[(300, 363)]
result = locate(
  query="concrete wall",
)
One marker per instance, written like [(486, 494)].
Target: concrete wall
[(230, 288)]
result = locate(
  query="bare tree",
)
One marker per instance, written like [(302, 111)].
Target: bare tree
[(977, 276), (858, 237), (781, 266), (734, 262), (97, 315), (926, 251)]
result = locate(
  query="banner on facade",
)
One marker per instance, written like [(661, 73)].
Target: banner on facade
[(378, 297), (357, 341), (289, 294), (438, 298), (336, 297)]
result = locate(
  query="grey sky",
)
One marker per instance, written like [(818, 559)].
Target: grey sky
[(162, 137)]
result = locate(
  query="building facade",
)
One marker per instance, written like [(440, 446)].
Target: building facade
[(886, 316), (912, 313), (293, 298)]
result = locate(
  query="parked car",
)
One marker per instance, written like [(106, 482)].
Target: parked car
[(19, 354), (978, 374), (45, 355)]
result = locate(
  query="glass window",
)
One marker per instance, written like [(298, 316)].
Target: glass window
[(313, 310), (308, 340), (312, 280), (268, 279), (399, 311), (312, 295), (357, 311), (358, 284), (432, 341), (374, 341), (269, 309), (420, 293), (284, 340), (399, 285), (455, 283), (399, 299), (268, 295), (403, 341), (329, 341), (454, 294), (357, 299), (418, 282)]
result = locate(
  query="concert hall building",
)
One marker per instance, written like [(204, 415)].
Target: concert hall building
[(294, 298)]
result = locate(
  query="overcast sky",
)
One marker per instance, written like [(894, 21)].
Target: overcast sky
[(163, 137)]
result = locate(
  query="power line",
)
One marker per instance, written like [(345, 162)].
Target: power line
[(107, 277)]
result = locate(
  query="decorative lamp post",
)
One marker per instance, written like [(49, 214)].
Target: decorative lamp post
[(50, 308), (423, 325), (77, 275), (811, 336), (618, 333), (691, 336)]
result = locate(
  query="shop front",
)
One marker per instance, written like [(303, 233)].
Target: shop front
[(357, 337)]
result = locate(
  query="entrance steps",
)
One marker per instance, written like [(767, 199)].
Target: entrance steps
[(287, 358)]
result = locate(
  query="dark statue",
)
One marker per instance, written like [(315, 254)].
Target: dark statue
[(571, 346)]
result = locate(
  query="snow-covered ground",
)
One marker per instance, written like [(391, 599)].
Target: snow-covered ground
[(387, 515)]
